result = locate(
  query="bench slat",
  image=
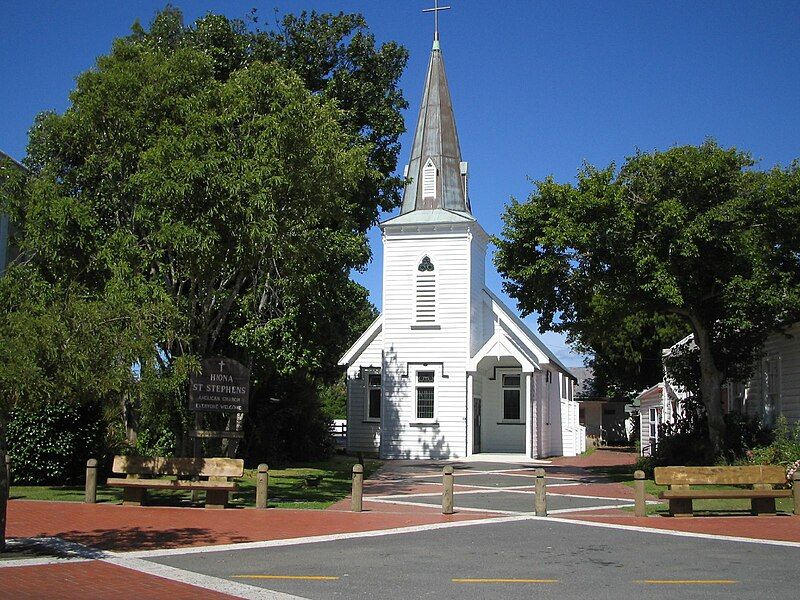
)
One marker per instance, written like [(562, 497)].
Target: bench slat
[(171, 484), (744, 475), (715, 494), (186, 467)]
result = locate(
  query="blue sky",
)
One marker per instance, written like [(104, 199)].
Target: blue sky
[(538, 87)]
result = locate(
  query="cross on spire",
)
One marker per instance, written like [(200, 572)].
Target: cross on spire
[(435, 10)]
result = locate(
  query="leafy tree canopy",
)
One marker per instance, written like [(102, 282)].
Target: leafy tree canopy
[(692, 237), (234, 172)]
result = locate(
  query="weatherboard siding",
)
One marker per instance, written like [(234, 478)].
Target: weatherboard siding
[(407, 347), (362, 435), (480, 331), (785, 348)]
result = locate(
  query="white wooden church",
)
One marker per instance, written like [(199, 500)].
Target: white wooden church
[(447, 370)]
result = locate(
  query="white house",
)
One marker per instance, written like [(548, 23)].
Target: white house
[(447, 370), (773, 389)]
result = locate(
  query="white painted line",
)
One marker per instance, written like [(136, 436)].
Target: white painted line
[(511, 512), (577, 481), (334, 537), (672, 532), (509, 472), (505, 487), (627, 500), (206, 582), (477, 489), (586, 508), (432, 494), (463, 508)]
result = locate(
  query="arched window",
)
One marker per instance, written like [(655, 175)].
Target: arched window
[(429, 181), (425, 306)]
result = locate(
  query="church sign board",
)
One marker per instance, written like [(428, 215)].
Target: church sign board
[(222, 385)]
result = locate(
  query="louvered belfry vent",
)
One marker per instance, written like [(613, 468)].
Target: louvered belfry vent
[(425, 307), (429, 181)]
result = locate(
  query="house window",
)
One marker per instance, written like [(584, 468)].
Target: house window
[(374, 396), (771, 388), (429, 180), (653, 422), (425, 395), (425, 306), (511, 398)]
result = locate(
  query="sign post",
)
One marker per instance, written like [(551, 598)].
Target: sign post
[(222, 385)]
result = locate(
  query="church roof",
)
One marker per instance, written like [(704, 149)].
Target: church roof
[(534, 340), (436, 150), (435, 215)]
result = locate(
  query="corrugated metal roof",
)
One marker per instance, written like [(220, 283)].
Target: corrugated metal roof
[(436, 139)]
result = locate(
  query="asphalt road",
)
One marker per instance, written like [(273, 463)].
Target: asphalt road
[(560, 560)]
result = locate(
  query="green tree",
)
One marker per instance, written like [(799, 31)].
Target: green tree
[(208, 191), (625, 349), (694, 233)]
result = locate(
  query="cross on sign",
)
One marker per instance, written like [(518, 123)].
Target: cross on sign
[(435, 10), (221, 364)]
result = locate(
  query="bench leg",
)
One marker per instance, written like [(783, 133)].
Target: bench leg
[(762, 506), (681, 507), (133, 496), (216, 498)]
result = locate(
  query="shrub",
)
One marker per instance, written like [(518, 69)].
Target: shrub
[(686, 441), (51, 445), (784, 449)]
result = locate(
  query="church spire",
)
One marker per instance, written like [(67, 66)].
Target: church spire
[(438, 176)]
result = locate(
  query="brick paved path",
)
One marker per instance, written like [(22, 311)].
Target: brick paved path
[(119, 528), (93, 580)]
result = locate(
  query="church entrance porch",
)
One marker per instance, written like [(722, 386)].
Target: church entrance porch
[(502, 410)]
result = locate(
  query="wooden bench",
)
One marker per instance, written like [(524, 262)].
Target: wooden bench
[(759, 479), (145, 473)]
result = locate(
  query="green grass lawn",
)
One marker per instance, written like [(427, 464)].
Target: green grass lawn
[(624, 475), (287, 487)]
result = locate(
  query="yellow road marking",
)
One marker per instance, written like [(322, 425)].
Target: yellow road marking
[(687, 581), (503, 580), (309, 577)]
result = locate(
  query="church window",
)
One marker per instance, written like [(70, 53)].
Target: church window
[(425, 395), (512, 410), (425, 305), (374, 396), (429, 180)]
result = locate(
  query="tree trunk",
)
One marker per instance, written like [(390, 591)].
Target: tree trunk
[(710, 384), (4, 485), (129, 420)]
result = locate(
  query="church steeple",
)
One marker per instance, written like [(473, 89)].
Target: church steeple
[(438, 175)]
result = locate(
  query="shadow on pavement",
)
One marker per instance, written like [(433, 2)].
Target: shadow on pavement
[(148, 539)]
